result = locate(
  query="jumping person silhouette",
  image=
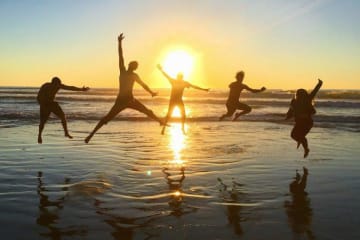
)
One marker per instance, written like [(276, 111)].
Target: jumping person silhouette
[(125, 98), (45, 98), (233, 102), (302, 109), (177, 89)]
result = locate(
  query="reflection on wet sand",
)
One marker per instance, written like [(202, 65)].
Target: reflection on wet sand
[(124, 227), (50, 210), (177, 143), (176, 192), (298, 210), (231, 197)]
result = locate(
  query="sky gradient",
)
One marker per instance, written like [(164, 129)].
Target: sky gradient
[(279, 44)]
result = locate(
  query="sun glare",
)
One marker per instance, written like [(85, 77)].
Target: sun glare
[(178, 61), (176, 113), (177, 143)]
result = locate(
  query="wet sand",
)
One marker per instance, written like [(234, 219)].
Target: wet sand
[(219, 181)]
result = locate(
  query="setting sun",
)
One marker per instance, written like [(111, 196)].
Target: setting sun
[(178, 61)]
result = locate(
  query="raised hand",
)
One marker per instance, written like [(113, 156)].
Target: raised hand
[(320, 81), (121, 37)]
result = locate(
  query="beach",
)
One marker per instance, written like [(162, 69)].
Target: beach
[(222, 180)]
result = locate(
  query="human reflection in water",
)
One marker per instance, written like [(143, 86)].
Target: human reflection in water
[(298, 209), (49, 211), (175, 187), (231, 197), (125, 227)]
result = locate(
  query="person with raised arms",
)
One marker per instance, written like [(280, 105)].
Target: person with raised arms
[(178, 85), (233, 103), (48, 105), (302, 109), (125, 98)]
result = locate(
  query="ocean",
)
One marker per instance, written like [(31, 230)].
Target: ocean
[(335, 108), (221, 180)]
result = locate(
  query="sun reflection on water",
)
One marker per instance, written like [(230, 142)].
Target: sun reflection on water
[(177, 143)]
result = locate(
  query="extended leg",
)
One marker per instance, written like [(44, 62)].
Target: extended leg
[(170, 110), (135, 104), (60, 114), (116, 109)]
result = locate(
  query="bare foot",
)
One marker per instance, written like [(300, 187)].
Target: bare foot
[(163, 130), (39, 139), (306, 152), (87, 139), (68, 135), (237, 115)]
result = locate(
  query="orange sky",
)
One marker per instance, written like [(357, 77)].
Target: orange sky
[(281, 44)]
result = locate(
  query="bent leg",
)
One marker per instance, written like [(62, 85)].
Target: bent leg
[(300, 130), (307, 127), (44, 116), (135, 104), (245, 110), (56, 109), (115, 110), (230, 111), (296, 133)]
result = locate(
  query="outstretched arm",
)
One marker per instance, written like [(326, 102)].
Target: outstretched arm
[(254, 90), (164, 73), (199, 88), (316, 89), (72, 88), (121, 57), (146, 87)]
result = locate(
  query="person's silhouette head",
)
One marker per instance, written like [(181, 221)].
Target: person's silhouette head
[(56, 81), (240, 76), (180, 76), (133, 65), (301, 94)]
